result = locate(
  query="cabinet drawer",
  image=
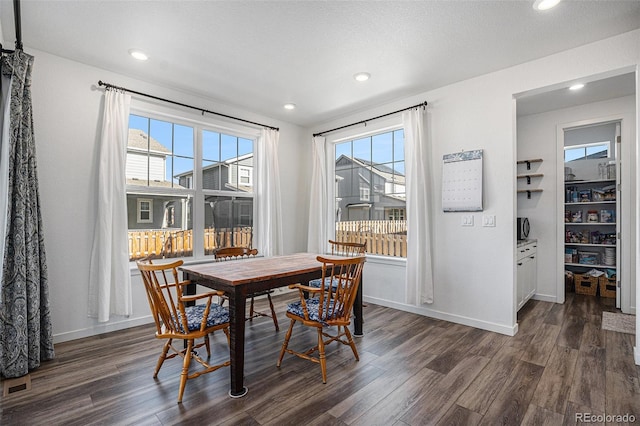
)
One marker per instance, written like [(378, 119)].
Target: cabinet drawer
[(526, 250)]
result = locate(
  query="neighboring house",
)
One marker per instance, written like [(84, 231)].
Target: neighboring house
[(366, 191), (147, 167), (235, 174)]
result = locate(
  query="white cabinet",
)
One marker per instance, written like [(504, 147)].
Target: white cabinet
[(527, 270)]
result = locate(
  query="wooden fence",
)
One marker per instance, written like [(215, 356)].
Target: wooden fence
[(158, 243), (383, 237)]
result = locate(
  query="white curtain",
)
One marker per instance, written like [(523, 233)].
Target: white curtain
[(268, 227), (318, 233), (4, 162), (110, 278), (419, 191)]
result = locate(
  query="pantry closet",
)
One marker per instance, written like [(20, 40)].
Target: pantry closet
[(591, 194)]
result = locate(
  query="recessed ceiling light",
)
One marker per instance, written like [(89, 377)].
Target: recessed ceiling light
[(138, 54), (545, 4), (289, 106), (362, 76), (577, 86)]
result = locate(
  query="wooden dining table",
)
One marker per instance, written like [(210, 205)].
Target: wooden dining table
[(238, 278)]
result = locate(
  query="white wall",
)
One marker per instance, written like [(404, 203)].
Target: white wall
[(537, 139), (474, 267), (67, 118)]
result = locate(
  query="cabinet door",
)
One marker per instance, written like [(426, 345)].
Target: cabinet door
[(522, 267), (532, 270)]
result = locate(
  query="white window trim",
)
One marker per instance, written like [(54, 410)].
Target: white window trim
[(139, 210)]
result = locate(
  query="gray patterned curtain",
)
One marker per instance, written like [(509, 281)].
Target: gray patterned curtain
[(25, 319)]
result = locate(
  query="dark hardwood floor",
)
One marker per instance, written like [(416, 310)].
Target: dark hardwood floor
[(412, 371)]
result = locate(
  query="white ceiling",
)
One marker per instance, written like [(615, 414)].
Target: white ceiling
[(600, 89), (258, 55)]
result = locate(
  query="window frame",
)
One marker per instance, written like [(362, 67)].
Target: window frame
[(139, 210), (383, 125), (196, 193)]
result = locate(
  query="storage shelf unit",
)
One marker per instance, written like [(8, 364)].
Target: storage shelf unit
[(591, 228)]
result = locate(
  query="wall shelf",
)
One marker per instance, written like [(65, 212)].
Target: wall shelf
[(528, 191), (528, 177), (528, 162)]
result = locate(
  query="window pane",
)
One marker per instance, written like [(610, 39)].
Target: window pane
[(343, 149), (228, 147), (159, 226), (183, 141), (362, 150), (398, 145), (572, 154), (183, 172), (228, 222), (210, 145), (382, 148), (598, 151)]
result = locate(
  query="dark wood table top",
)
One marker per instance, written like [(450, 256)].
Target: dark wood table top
[(256, 269)]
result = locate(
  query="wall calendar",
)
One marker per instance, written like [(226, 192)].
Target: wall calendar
[(462, 181)]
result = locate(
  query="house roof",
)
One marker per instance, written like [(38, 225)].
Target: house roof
[(140, 141), (154, 183), (382, 170)]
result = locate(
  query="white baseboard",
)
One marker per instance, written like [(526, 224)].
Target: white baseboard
[(458, 319), (545, 298), (101, 328)]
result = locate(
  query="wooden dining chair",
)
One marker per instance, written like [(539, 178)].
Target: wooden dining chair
[(230, 253), (175, 320), (341, 248), (328, 309)]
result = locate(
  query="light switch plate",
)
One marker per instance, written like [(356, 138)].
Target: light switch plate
[(467, 220), (488, 220)]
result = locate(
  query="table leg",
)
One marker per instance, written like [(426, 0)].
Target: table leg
[(237, 302), (357, 312)]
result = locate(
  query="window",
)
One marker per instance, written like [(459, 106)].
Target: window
[(165, 185), (364, 193), (588, 151), (145, 210), (369, 193)]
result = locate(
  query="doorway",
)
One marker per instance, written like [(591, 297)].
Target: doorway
[(542, 117), (591, 211)]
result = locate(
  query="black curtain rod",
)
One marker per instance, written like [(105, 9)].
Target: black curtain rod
[(423, 105), (16, 17), (109, 85), (18, 25)]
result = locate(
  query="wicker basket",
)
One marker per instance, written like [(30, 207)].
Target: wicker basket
[(586, 284), (608, 287)]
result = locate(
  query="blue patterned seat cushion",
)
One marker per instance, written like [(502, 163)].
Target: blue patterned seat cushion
[(318, 281), (313, 306), (217, 315)]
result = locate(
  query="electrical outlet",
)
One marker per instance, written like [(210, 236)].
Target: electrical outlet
[(467, 220), (488, 220)]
